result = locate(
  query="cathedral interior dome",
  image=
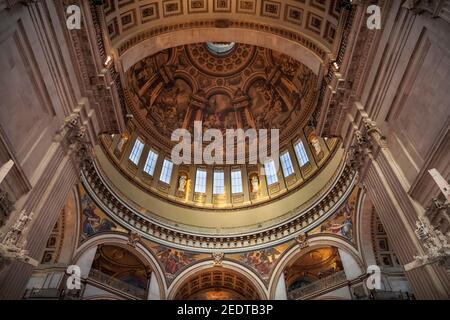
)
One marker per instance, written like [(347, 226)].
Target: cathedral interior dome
[(248, 88), (224, 150)]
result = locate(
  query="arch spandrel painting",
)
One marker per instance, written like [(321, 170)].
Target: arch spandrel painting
[(343, 222), (93, 219), (264, 261), (173, 261)]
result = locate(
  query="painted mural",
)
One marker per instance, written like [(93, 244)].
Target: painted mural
[(343, 221), (174, 261), (262, 261), (93, 219)]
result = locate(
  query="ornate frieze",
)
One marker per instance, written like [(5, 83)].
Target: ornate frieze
[(150, 228), (100, 82)]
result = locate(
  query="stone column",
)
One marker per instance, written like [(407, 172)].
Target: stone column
[(153, 288), (351, 267), (46, 201), (379, 173), (86, 260), (281, 290)]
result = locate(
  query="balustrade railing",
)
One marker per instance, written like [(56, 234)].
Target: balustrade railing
[(319, 285), (42, 293), (117, 284)]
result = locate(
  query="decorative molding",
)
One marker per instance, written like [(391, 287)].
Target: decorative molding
[(437, 8), (366, 141), (218, 258), (164, 234), (133, 238), (438, 213), (302, 240)]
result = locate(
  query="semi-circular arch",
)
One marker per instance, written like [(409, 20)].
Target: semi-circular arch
[(314, 242), (181, 279), (122, 241)]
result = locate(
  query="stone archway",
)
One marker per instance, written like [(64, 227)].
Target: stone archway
[(86, 252), (226, 281), (157, 43), (352, 264)]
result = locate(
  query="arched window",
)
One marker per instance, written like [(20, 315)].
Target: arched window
[(200, 181), (271, 172), (286, 164), (219, 182), (236, 181), (166, 171), (136, 151), (301, 154), (150, 163)]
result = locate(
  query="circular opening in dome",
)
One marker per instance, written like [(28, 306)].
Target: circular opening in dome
[(220, 48)]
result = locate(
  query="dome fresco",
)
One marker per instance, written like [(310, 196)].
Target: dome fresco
[(251, 87)]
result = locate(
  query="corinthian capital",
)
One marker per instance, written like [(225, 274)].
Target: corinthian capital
[(75, 139), (374, 133)]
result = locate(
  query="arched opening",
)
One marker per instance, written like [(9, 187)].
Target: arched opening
[(120, 269), (377, 249), (217, 283), (314, 272)]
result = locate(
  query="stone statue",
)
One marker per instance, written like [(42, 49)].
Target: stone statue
[(436, 244), (14, 237), (182, 181), (255, 184), (12, 246), (316, 144), (122, 142)]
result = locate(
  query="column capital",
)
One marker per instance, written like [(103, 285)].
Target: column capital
[(73, 135), (366, 144)]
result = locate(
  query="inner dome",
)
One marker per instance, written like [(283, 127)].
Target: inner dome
[(249, 87)]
